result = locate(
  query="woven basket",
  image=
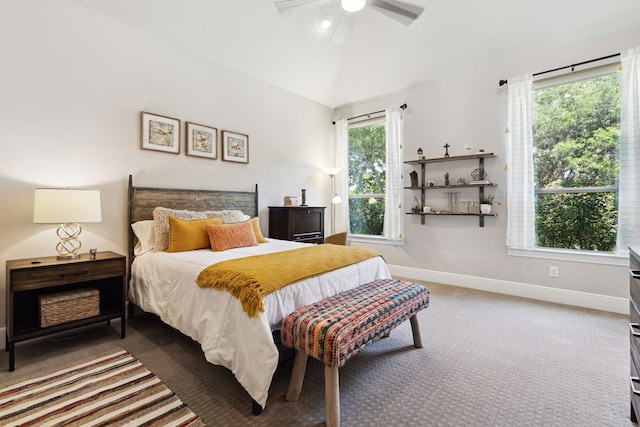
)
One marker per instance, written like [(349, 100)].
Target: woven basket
[(68, 306)]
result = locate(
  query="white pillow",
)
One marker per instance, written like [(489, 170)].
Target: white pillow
[(146, 236), (161, 222)]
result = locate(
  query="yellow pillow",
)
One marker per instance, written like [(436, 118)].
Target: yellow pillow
[(231, 235), (256, 230), (188, 235)]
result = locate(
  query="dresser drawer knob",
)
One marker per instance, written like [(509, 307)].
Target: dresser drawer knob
[(633, 389), (635, 274)]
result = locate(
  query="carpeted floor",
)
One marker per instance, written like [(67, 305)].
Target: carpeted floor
[(488, 360)]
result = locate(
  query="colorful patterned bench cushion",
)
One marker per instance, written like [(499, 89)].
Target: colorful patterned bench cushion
[(336, 328)]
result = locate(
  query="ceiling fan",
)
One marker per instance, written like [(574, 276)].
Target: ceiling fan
[(399, 11)]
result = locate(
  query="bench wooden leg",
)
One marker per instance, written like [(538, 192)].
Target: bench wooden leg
[(331, 396), (415, 328), (297, 376)]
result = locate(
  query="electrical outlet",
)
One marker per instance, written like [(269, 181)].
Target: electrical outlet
[(553, 270)]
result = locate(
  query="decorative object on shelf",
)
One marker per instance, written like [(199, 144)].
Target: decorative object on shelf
[(335, 199), (431, 183), (67, 207), (486, 204), (290, 201), (92, 253), (446, 178), (420, 155), (461, 181), (446, 149), (235, 147), (304, 197), (452, 202), (416, 206), (426, 209), (468, 148), (202, 141), (479, 176), (414, 178), (159, 133)]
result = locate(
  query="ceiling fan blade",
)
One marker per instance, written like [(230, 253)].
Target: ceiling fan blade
[(400, 11), (341, 32), (285, 6)]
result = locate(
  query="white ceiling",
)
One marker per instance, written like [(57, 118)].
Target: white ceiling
[(380, 55)]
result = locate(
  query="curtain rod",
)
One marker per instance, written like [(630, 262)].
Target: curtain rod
[(403, 107), (572, 66)]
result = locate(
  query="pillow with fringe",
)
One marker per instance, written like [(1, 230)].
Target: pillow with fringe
[(229, 236), (161, 221), (189, 234)]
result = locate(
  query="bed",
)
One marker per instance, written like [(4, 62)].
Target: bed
[(162, 283)]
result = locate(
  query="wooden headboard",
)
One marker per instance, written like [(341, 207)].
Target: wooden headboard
[(143, 200)]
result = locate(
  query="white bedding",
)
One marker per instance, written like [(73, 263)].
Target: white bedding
[(164, 283)]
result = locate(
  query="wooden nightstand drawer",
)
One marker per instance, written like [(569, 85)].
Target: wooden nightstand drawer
[(63, 274)]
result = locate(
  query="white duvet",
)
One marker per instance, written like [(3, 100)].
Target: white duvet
[(164, 284)]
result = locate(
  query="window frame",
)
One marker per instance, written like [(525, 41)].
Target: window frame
[(379, 118), (593, 257)]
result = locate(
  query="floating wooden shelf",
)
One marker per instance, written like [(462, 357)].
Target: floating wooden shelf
[(422, 188)]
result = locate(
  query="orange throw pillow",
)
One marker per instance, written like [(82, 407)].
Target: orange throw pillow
[(232, 235)]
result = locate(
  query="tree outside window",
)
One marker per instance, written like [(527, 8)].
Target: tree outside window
[(576, 128), (367, 178)]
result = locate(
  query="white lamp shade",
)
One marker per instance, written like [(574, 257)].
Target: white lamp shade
[(353, 5), (331, 171), (63, 205)]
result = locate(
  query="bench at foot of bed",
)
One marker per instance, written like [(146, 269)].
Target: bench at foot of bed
[(336, 328)]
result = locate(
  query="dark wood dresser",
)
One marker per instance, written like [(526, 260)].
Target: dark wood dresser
[(297, 223), (634, 326)]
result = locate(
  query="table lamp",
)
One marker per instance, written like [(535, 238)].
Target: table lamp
[(67, 207)]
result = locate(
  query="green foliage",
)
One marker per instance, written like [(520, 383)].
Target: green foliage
[(585, 221), (576, 130), (366, 217), (367, 171)]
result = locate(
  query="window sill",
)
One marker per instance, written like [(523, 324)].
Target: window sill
[(374, 239), (574, 256)]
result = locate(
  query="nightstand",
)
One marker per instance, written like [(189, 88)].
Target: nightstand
[(297, 223), (32, 280)]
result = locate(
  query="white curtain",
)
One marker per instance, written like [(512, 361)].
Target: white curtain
[(520, 184), (342, 178), (629, 179), (393, 212)]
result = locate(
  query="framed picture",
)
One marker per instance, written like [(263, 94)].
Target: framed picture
[(235, 147), (202, 141), (159, 133)]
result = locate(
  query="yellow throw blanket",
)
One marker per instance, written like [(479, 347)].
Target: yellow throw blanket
[(250, 279)]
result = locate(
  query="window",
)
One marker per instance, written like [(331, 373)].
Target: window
[(580, 201), (367, 177), (576, 127)]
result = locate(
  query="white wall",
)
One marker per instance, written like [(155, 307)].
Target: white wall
[(72, 86), (470, 107)]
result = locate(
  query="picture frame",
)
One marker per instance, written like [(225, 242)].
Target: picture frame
[(159, 133), (235, 147), (201, 141)]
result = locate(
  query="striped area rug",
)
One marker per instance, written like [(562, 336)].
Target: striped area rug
[(113, 389)]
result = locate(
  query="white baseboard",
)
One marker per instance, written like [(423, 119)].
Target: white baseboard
[(543, 293)]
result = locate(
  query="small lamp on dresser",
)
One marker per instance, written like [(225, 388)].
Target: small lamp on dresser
[(67, 207)]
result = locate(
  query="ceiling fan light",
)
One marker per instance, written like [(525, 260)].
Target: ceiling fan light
[(325, 22), (353, 5)]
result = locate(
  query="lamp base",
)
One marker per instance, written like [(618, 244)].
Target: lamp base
[(74, 256)]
